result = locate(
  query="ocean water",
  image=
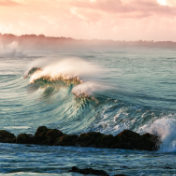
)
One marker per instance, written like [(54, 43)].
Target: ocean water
[(102, 90)]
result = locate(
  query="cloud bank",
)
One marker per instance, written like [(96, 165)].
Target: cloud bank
[(8, 3), (88, 19)]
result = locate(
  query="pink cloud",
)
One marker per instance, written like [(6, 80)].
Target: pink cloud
[(102, 19), (8, 3), (154, 8), (109, 6), (138, 8)]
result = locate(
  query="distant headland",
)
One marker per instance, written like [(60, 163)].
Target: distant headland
[(33, 41)]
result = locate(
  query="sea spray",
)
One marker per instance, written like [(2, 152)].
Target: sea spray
[(68, 67), (10, 50), (165, 128), (70, 71)]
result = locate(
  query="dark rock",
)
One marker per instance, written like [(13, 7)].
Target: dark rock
[(40, 130), (167, 167), (120, 175), (47, 141), (7, 137), (90, 139), (24, 139), (127, 140), (53, 135), (88, 171), (45, 136), (150, 142), (67, 140), (107, 141), (40, 134)]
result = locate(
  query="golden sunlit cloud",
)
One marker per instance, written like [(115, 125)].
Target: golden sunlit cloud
[(8, 3), (87, 19), (162, 2)]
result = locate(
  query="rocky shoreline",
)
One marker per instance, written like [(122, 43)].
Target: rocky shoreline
[(125, 140), (53, 137)]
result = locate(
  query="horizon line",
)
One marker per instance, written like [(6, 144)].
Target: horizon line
[(42, 35)]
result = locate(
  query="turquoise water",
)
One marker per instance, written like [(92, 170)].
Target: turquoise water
[(90, 90)]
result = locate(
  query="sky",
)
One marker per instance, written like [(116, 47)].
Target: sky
[(91, 19)]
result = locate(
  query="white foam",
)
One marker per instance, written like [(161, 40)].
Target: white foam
[(166, 129), (86, 89), (87, 73), (67, 68), (17, 127)]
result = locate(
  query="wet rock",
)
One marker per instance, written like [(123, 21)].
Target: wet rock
[(90, 139), (40, 134), (127, 140), (40, 130), (107, 141), (167, 167), (67, 140), (150, 142), (24, 139), (7, 137), (88, 171), (130, 140), (53, 135), (45, 136)]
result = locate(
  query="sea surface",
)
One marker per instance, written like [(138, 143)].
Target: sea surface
[(76, 91)]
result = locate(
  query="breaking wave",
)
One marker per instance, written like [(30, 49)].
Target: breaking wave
[(84, 77), (73, 95), (91, 103)]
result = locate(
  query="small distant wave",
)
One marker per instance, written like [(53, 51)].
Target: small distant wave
[(10, 50)]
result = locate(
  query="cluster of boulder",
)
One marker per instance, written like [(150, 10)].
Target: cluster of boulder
[(125, 140), (88, 171)]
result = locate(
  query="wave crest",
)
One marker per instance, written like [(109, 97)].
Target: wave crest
[(85, 76)]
